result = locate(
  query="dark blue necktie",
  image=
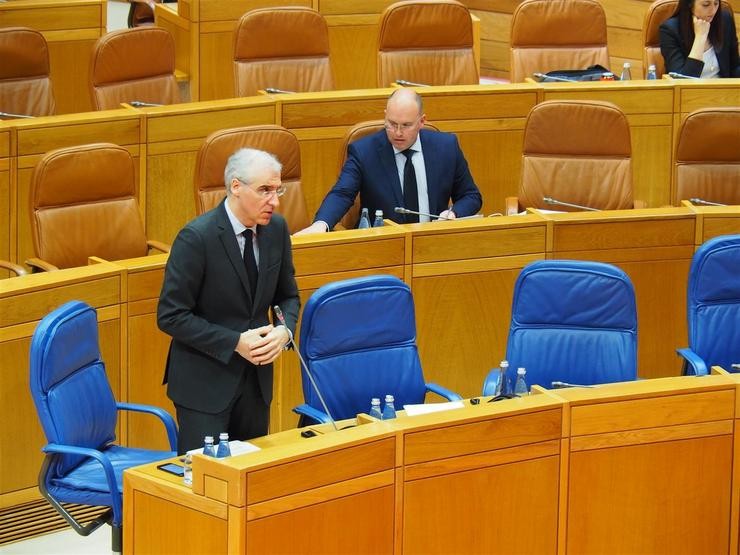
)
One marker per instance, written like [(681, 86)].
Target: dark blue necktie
[(410, 192), (250, 263)]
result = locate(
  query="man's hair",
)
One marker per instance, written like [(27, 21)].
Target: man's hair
[(245, 163), (416, 96)]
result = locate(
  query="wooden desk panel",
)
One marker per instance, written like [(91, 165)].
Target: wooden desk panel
[(713, 221), (70, 29), (6, 226)]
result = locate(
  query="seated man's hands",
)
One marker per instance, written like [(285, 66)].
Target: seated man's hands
[(316, 227)]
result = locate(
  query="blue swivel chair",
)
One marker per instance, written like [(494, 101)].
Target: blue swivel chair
[(358, 338), (573, 322), (713, 305), (78, 413)]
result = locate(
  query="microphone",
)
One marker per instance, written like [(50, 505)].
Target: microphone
[(405, 83), (543, 77), (401, 210), (272, 90), (705, 202), (562, 385), (677, 75), (550, 200), (15, 116), (142, 104), (279, 314)]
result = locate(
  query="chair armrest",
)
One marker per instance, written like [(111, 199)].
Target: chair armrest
[(163, 415), (158, 245), (443, 392), (15, 268), (308, 410), (512, 206), (38, 265), (692, 362), (639, 204), (490, 384)]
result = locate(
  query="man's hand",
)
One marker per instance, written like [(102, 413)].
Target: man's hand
[(316, 227), (251, 338), (447, 214), (268, 345)]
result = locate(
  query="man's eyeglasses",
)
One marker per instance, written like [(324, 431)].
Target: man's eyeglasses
[(401, 127), (265, 191)]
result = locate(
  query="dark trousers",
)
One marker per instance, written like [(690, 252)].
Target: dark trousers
[(246, 417)]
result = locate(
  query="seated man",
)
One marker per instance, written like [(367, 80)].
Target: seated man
[(381, 166)]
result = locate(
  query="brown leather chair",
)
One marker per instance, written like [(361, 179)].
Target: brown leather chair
[(657, 13), (575, 151), (25, 86), (282, 48), (428, 42), (548, 35), (218, 146), (133, 65), (83, 204), (355, 133), (708, 156)]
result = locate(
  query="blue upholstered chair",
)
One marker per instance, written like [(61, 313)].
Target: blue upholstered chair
[(358, 338), (573, 322), (713, 305), (78, 413)]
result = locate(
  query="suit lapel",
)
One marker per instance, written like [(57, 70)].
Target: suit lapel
[(388, 161), (228, 240), (264, 241), (431, 160)]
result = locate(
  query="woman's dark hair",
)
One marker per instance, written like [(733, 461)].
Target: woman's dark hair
[(686, 25)]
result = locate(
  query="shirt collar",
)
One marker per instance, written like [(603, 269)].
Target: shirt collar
[(237, 226)]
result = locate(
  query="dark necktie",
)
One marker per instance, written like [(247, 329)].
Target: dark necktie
[(410, 192), (250, 263)]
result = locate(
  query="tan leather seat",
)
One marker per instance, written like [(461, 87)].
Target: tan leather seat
[(428, 42), (657, 13), (282, 48), (708, 156), (83, 203), (548, 35), (218, 146), (25, 86), (576, 151), (133, 65), (355, 133)]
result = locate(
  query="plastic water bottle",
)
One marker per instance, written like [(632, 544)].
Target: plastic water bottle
[(364, 220), (521, 389), (187, 467), (223, 450), (652, 73), (389, 411), (502, 386), (626, 72), (375, 408), (378, 218), (208, 447)]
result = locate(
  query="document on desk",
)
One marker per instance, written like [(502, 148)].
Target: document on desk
[(414, 410), (237, 448)]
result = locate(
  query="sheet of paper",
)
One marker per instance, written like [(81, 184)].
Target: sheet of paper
[(414, 410), (237, 448)]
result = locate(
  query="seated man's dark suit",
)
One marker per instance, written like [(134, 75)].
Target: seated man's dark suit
[(676, 54), (371, 171)]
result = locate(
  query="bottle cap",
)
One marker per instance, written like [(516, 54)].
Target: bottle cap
[(375, 401), (651, 67), (627, 64), (389, 398), (209, 438), (223, 435), (521, 371), (504, 364), (378, 212)]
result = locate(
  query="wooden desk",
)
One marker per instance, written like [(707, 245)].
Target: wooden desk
[(635, 467), (5, 198), (712, 221), (70, 28)]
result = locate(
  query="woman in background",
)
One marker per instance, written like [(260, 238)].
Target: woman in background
[(700, 40)]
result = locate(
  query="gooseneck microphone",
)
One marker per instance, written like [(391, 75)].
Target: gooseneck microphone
[(543, 77), (273, 90), (550, 200), (14, 116), (401, 210), (405, 83), (677, 75), (142, 104), (705, 202), (563, 385), (279, 314)]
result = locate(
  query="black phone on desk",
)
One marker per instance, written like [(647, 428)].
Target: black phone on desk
[(172, 468)]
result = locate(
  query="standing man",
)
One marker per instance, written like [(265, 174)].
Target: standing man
[(405, 166), (225, 270)]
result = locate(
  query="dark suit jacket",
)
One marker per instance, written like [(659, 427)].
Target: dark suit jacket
[(676, 54), (206, 303), (371, 171)]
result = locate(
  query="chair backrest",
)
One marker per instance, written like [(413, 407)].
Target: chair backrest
[(68, 383), (657, 13), (576, 151), (83, 203), (358, 337), (713, 302), (548, 35), (218, 146), (133, 65), (573, 321), (25, 86), (426, 41), (708, 156), (298, 62), (355, 133)]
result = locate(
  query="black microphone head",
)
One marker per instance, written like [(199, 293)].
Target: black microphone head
[(279, 314)]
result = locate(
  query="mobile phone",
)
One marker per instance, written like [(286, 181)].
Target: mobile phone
[(172, 468)]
